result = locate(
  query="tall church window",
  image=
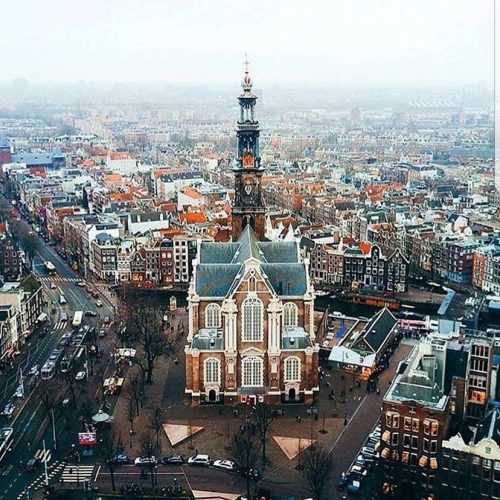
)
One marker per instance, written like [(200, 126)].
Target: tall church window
[(252, 373), (212, 316), (252, 320), (292, 369), (212, 371), (290, 314)]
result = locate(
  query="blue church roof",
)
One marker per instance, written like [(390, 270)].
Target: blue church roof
[(220, 264)]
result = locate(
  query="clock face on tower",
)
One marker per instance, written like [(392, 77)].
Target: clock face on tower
[(248, 160)]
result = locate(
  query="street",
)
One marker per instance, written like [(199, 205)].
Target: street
[(30, 422)]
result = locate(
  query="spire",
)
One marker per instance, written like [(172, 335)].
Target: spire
[(247, 79)]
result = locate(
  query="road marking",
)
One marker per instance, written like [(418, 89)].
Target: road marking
[(44, 456), (77, 473)]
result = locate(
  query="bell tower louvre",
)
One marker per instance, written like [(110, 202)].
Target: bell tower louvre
[(248, 208)]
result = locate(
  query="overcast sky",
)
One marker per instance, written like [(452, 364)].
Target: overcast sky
[(442, 42)]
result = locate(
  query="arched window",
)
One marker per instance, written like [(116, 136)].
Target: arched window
[(292, 369), (252, 284), (252, 374), (252, 320), (290, 314), (212, 316), (212, 371)]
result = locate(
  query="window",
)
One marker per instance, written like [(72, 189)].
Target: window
[(406, 440), (395, 438), (212, 316), (290, 314), (292, 370), (414, 442), (407, 423), (252, 372), (252, 320), (212, 371), (414, 424), (252, 284)]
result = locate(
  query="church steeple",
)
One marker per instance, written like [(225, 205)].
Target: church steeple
[(248, 206)]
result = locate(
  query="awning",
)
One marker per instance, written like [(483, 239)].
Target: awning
[(377, 447), (423, 461), (405, 457), (385, 453), (434, 463), (386, 436)]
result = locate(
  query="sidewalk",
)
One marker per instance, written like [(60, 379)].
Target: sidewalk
[(345, 450)]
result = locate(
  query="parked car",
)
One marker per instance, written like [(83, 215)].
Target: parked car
[(145, 460), (8, 410), (95, 294), (80, 375), (203, 460), (174, 459), (120, 459), (228, 465), (98, 303), (34, 371), (32, 465), (358, 471)]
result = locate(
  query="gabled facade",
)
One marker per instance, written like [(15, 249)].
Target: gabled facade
[(251, 324)]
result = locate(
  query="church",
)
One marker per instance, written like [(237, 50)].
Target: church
[(251, 303)]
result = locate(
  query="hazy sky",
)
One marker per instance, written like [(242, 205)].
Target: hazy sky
[(332, 41)]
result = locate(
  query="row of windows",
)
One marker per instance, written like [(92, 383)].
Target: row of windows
[(252, 373), (252, 317), (431, 427)]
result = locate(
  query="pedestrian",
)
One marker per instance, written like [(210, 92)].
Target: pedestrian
[(378, 391)]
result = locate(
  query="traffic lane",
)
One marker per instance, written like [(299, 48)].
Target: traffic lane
[(48, 253), (197, 478)]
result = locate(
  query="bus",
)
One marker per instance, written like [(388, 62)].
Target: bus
[(49, 267), (6, 441), (77, 318), (48, 370)]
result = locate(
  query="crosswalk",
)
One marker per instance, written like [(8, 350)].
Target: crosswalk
[(43, 456), (77, 473), (37, 484), (60, 325), (59, 279)]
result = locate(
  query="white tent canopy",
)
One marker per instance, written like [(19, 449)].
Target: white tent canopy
[(343, 355)]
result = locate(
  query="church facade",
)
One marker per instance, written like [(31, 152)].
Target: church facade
[(251, 304)]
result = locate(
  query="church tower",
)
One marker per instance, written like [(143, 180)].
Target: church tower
[(248, 208)]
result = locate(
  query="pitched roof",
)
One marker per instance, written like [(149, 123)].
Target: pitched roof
[(378, 328), (280, 264)]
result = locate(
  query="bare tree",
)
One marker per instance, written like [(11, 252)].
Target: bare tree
[(245, 453), (150, 450), (156, 424), (110, 445), (131, 413), (146, 331), (263, 420), (135, 389), (48, 392), (316, 467)]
